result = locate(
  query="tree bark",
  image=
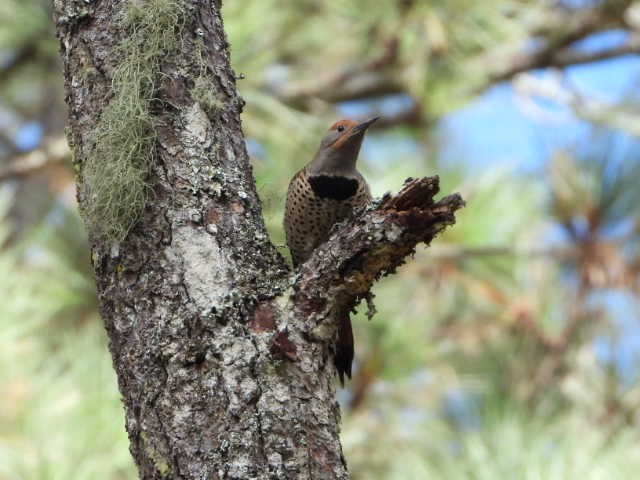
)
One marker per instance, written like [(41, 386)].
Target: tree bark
[(223, 355)]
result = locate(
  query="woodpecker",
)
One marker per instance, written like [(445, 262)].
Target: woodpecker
[(326, 191)]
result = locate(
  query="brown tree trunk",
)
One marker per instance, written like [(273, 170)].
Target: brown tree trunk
[(223, 355)]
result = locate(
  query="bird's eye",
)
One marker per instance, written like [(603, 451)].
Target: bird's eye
[(340, 128)]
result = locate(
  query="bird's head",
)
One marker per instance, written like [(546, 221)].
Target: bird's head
[(340, 146)]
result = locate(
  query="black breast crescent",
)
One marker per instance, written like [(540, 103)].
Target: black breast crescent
[(335, 188)]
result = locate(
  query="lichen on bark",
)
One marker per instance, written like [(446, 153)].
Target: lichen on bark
[(122, 145)]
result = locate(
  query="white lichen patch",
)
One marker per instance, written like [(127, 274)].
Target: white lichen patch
[(249, 388), (240, 352), (231, 156), (195, 136), (394, 233), (280, 393), (274, 458), (322, 411), (306, 364), (240, 467), (323, 331), (182, 415), (205, 268)]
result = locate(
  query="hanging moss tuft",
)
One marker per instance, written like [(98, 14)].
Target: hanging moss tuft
[(122, 146)]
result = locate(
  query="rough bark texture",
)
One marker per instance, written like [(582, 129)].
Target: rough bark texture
[(222, 353)]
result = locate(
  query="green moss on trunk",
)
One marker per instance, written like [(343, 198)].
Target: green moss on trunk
[(122, 146)]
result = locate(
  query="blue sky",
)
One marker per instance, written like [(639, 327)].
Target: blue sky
[(496, 129)]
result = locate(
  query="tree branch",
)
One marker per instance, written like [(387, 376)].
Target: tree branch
[(341, 272), (622, 117), (556, 30), (363, 79), (562, 58)]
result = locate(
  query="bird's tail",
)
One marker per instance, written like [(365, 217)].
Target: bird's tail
[(344, 347)]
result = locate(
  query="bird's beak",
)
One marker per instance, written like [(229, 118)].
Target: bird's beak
[(362, 127)]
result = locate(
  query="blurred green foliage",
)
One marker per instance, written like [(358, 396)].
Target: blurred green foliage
[(483, 360)]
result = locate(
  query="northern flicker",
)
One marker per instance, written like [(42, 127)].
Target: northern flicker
[(326, 191)]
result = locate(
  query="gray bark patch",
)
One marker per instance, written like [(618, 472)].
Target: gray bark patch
[(205, 268)]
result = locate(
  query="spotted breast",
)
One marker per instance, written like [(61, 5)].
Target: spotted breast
[(315, 203)]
